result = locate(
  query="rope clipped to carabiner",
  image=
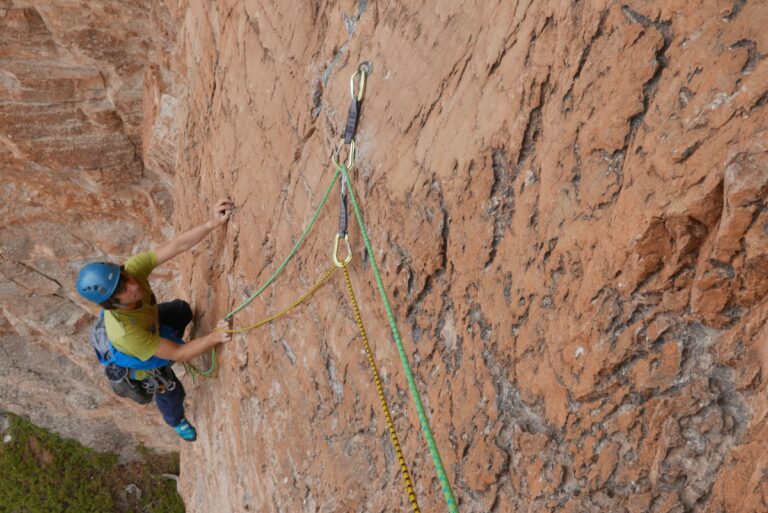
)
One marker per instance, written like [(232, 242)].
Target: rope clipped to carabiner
[(349, 140), (342, 172), (425, 428)]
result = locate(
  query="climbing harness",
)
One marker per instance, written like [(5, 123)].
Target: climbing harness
[(158, 382), (346, 191)]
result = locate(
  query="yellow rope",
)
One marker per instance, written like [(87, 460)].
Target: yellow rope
[(379, 388), (390, 425), (287, 309), (195, 371)]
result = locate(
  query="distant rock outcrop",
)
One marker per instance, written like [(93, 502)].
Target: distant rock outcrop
[(80, 89)]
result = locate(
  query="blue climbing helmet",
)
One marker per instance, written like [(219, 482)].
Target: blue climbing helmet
[(97, 281)]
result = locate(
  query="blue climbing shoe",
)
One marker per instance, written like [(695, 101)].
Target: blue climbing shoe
[(186, 430)]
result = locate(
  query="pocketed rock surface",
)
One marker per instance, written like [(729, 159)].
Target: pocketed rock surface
[(567, 204)]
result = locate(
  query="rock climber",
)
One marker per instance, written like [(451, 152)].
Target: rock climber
[(134, 320)]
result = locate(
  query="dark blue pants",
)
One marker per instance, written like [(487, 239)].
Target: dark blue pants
[(171, 402), (176, 315)]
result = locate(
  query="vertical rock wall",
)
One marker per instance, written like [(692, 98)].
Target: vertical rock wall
[(567, 202)]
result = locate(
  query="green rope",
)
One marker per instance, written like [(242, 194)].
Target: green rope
[(293, 251), (447, 492), (207, 373), (196, 371)]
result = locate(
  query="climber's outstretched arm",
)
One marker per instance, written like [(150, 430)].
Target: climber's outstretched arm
[(181, 243)]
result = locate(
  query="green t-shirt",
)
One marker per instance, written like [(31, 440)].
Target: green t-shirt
[(137, 332)]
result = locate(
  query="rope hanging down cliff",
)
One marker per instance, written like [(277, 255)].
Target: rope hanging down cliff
[(342, 171)]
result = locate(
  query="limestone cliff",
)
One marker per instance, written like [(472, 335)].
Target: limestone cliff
[(567, 201)]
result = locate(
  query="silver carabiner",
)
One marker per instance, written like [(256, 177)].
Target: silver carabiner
[(359, 71), (350, 156)]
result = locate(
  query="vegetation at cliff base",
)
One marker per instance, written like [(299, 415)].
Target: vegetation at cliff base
[(43, 473)]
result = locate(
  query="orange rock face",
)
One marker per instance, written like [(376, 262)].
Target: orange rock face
[(566, 200)]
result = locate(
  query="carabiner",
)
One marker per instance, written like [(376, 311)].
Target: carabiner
[(359, 71), (350, 156), (336, 251)]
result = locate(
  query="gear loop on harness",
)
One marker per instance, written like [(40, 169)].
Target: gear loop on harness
[(157, 383)]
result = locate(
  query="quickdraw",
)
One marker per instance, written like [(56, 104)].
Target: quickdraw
[(345, 189)]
